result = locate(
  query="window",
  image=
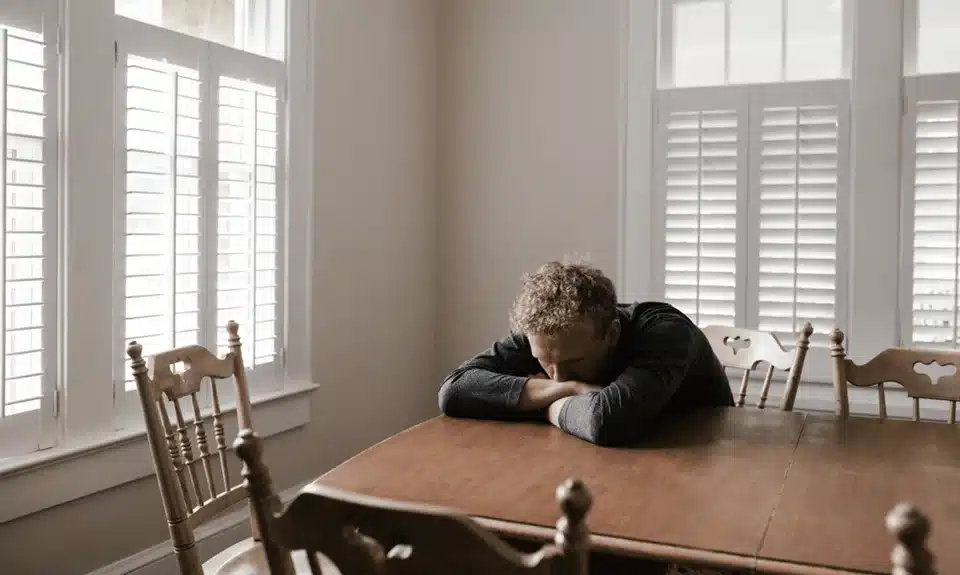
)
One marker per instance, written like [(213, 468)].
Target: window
[(199, 126), (720, 42), (751, 162), (251, 25), (931, 221), (145, 196), (28, 136)]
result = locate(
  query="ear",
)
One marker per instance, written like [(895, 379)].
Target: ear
[(613, 333)]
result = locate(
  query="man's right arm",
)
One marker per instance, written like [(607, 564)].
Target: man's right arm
[(499, 384)]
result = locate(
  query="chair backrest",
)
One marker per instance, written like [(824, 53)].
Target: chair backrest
[(746, 349), (192, 492), (911, 528), (923, 374), (362, 534)]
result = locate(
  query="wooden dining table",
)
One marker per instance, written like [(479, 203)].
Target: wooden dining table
[(778, 492)]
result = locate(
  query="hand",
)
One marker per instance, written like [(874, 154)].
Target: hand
[(574, 387), (582, 388)]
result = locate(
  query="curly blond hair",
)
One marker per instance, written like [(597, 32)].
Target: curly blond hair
[(559, 295)]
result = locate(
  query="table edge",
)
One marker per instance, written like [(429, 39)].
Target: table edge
[(629, 547), (667, 552)]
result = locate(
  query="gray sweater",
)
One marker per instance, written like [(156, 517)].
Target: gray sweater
[(662, 364)]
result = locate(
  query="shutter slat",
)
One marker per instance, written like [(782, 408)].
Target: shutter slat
[(701, 166), (936, 237), (797, 240)]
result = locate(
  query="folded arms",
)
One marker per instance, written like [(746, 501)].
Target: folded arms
[(497, 385)]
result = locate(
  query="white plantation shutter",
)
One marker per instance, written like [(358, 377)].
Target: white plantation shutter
[(28, 100), (247, 212), (250, 167), (700, 159), (750, 185), (798, 179), (199, 173), (931, 191), (162, 199), (160, 95)]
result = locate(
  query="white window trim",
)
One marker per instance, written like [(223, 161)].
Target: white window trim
[(90, 455)]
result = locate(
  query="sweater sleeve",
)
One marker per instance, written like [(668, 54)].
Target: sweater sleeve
[(489, 385), (617, 414)]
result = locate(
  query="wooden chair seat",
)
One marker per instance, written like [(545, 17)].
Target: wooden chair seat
[(248, 558)]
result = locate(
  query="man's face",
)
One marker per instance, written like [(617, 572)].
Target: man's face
[(578, 354)]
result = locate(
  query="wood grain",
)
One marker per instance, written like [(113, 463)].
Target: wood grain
[(709, 480), (846, 477)]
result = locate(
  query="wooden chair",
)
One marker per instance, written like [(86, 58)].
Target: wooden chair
[(191, 490), (746, 349), (369, 535), (913, 369), (911, 528)]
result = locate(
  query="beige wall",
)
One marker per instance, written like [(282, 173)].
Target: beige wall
[(530, 117), (374, 280)]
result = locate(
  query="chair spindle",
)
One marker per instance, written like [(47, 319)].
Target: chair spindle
[(220, 436), (175, 455), (766, 388), (187, 449), (201, 433), (741, 397)]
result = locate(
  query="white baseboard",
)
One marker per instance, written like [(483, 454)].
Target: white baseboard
[(212, 538)]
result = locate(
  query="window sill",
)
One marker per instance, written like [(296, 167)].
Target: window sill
[(40, 480)]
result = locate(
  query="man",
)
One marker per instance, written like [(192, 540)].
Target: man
[(599, 370)]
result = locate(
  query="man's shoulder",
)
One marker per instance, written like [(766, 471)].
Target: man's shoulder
[(643, 315)]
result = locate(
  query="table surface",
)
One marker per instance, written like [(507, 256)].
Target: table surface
[(744, 485)]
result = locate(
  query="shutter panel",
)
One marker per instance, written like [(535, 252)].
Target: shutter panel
[(248, 261), (162, 198), (27, 286), (29, 164), (936, 214), (700, 160), (797, 168)]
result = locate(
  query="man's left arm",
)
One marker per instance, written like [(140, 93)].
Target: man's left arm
[(617, 414)]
